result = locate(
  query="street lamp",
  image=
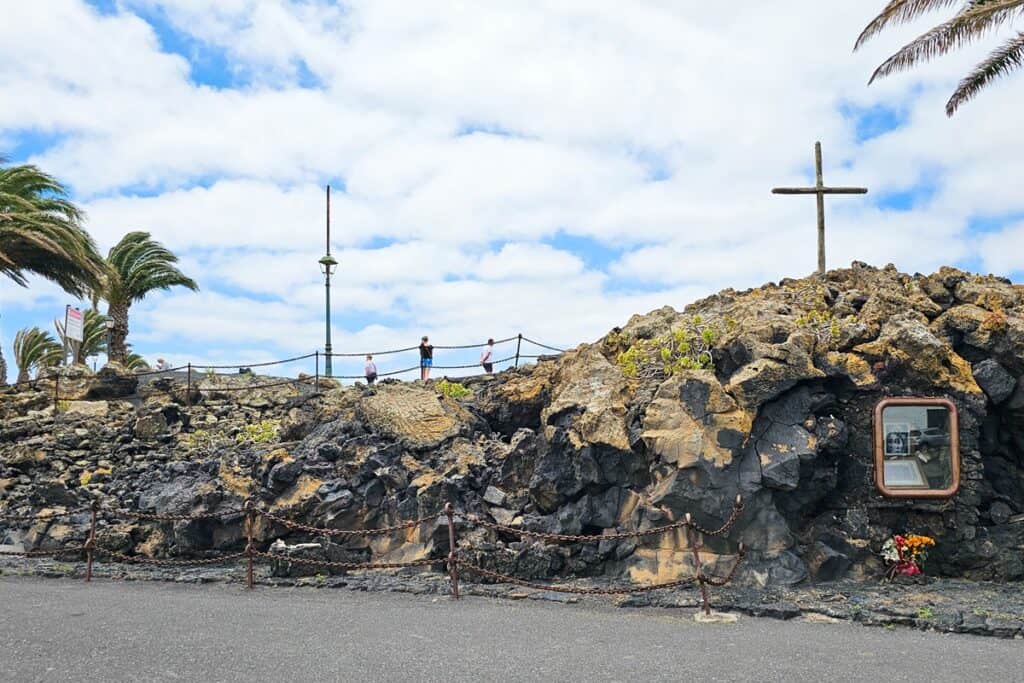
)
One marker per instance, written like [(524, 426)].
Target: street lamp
[(328, 264)]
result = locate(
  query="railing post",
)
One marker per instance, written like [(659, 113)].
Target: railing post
[(188, 389), (90, 543), (250, 521), (519, 344), (453, 570), (316, 382), (56, 393), (691, 537)]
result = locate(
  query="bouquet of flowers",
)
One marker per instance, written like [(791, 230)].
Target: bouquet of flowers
[(904, 554)]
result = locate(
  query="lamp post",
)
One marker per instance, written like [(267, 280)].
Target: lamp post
[(328, 264)]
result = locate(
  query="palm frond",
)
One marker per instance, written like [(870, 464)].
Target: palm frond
[(900, 12), (1007, 58), (35, 349), (962, 29), (94, 334)]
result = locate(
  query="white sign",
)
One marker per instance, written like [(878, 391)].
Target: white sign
[(74, 328)]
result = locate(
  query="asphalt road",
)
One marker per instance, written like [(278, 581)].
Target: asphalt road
[(54, 630)]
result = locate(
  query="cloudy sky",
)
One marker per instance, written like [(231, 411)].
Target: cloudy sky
[(543, 166)]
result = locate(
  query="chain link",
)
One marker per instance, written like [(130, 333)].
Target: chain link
[(137, 559), (347, 565), (43, 553), (159, 517), (592, 538), (321, 531), (504, 578), (51, 515)]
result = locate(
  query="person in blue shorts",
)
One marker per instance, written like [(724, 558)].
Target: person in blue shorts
[(426, 358)]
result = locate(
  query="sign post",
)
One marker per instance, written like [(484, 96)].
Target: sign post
[(74, 331)]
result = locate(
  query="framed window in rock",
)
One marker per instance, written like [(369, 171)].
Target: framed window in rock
[(917, 448)]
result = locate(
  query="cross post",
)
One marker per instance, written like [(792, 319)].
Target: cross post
[(820, 190)]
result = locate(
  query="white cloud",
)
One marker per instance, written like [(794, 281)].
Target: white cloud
[(459, 135)]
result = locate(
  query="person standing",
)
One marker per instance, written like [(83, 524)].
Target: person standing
[(486, 357), (370, 370), (426, 358)]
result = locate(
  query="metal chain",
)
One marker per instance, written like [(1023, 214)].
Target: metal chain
[(712, 581), (52, 515), (590, 538), (320, 531), (348, 565), (504, 578), (159, 517), (43, 553), (167, 563)]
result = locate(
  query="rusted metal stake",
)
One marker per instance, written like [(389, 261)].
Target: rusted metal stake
[(317, 380), (519, 344), (691, 537), (453, 569), (250, 521), (90, 544), (188, 391), (56, 394)]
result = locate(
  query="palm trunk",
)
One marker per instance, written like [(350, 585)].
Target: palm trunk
[(118, 314)]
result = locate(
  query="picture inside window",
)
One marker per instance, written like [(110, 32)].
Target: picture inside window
[(918, 447)]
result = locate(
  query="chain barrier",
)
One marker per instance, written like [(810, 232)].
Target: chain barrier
[(737, 509), (544, 346), (452, 562), (322, 531), (505, 578), (50, 515)]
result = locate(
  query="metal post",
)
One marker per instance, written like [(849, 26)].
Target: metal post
[(691, 537), (188, 390), (56, 393), (328, 368), (453, 570), (90, 544), (316, 382), (819, 185), (519, 343), (250, 521)]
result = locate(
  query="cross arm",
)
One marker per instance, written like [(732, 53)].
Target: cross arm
[(822, 190)]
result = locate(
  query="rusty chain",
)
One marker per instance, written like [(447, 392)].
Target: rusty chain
[(347, 565), (138, 559), (321, 531), (712, 581), (504, 578), (592, 538), (161, 517), (43, 553), (51, 515)]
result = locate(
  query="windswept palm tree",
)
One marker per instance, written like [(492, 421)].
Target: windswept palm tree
[(975, 19), (135, 362), (94, 335), (35, 350), (41, 234), (137, 265)]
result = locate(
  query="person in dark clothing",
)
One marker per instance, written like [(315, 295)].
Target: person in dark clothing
[(426, 358)]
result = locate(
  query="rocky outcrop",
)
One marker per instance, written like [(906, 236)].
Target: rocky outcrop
[(767, 393)]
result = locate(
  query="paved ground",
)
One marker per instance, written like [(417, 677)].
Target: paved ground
[(56, 630)]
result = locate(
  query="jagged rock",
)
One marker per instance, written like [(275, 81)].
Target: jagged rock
[(112, 381), (994, 379)]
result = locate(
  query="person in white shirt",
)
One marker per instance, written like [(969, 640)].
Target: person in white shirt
[(370, 370), (486, 357), (162, 365)]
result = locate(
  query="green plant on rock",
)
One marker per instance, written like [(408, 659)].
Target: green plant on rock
[(687, 347), (453, 390), (203, 440), (823, 325), (264, 431), (925, 613)]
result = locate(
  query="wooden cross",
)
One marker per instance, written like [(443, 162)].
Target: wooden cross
[(820, 190)]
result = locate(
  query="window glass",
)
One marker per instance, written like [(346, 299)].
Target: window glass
[(918, 448)]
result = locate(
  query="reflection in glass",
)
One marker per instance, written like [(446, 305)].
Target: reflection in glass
[(916, 447)]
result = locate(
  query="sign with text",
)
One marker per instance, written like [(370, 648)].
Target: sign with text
[(74, 324)]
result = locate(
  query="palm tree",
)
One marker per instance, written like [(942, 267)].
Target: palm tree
[(41, 234), (135, 362), (975, 19), (94, 335), (35, 349), (137, 265)]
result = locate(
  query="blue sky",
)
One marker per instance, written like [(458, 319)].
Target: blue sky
[(549, 169)]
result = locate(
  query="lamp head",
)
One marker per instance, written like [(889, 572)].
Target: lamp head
[(328, 264)]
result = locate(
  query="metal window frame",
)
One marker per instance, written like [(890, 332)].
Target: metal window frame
[(954, 448)]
